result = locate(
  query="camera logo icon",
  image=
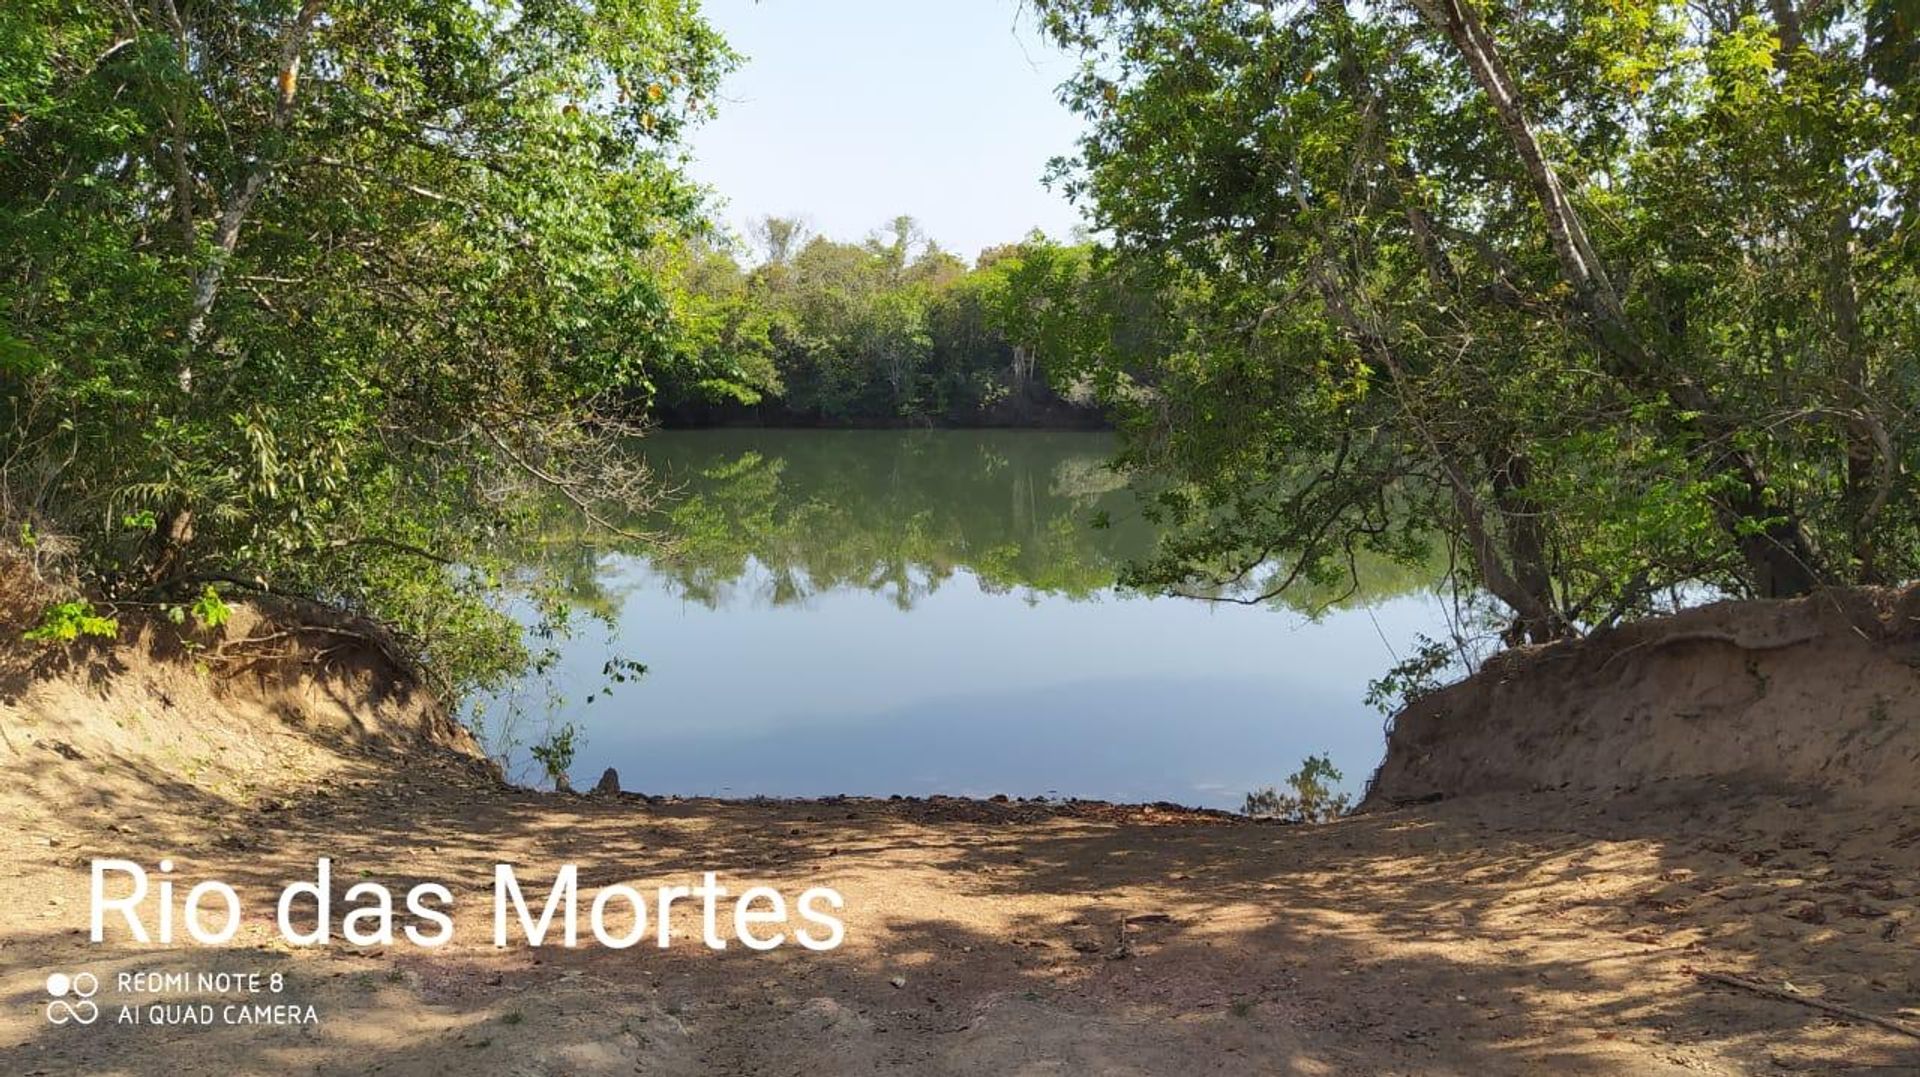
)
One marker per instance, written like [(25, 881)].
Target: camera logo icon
[(72, 1001)]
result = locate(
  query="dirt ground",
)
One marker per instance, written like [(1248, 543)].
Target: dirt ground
[(1491, 935), (1502, 934)]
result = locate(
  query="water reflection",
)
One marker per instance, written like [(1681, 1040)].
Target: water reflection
[(899, 513), (891, 512), (875, 612)]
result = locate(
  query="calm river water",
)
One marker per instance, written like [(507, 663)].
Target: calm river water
[(879, 612)]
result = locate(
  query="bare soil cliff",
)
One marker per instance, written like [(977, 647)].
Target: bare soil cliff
[(163, 717), (1820, 695)]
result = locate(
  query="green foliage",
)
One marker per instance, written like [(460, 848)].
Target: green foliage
[(331, 328), (1651, 333), (1310, 798), (210, 610), (66, 622), (1412, 678), (617, 670), (881, 331), (555, 753)]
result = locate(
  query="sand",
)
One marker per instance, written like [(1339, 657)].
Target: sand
[(1510, 933)]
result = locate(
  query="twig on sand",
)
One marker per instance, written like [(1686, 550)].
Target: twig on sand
[(1808, 1000)]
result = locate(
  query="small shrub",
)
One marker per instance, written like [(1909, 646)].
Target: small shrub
[(210, 609), (1311, 799), (66, 622), (555, 753), (1415, 676)]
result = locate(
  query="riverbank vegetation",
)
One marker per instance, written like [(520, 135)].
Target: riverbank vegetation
[(1612, 306), (1618, 298), (327, 298)]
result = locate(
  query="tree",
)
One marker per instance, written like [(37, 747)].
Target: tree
[(779, 238), (897, 244), (1038, 301), (1607, 295), (321, 298)]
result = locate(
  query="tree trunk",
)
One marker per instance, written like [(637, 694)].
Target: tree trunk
[(226, 236), (176, 111), (1863, 492), (1526, 542), (166, 547), (1780, 555)]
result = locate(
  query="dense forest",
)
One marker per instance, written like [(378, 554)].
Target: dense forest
[(893, 330), (1614, 305)]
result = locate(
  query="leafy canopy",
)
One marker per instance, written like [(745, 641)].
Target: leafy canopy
[(1620, 298), (316, 298)]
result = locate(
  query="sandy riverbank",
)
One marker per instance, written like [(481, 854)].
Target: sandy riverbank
[(1509, 933)]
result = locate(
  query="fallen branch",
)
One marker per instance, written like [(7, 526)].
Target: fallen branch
[(1807, 1000)]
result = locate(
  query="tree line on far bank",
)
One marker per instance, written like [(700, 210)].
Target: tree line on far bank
[(894, 330)]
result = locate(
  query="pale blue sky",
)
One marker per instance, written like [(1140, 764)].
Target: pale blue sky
[(848, 112)]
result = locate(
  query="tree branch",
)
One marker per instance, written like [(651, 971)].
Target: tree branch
[(226, 235)]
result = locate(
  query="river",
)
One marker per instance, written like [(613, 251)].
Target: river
[(881, 612)]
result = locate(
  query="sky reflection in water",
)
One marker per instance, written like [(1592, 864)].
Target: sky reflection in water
[(878, 612)]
